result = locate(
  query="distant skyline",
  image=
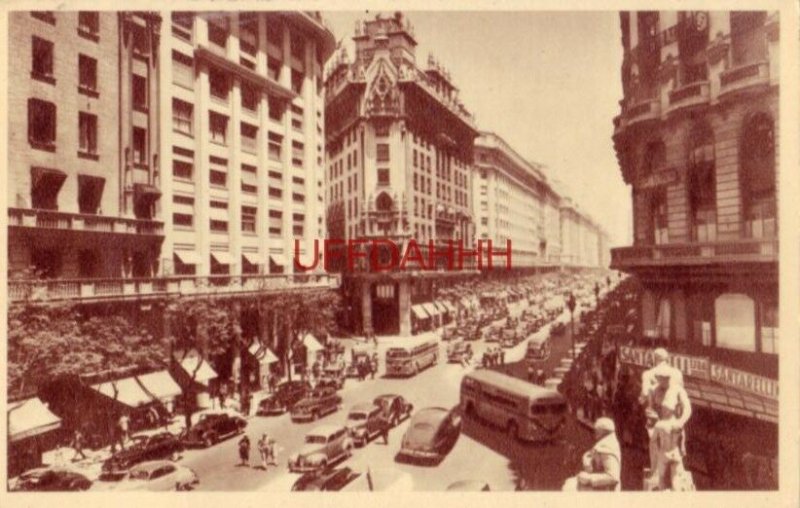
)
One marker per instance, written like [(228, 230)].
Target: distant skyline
[(546, 82)]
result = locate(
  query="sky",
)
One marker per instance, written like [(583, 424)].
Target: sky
[(546, 82)]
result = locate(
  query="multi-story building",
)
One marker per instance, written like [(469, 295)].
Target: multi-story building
[(512, 201), (696, 142), (83, 151), (399, 146)]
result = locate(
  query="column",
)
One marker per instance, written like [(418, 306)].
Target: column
[(404, 306), (262, 177), (366, 307), (165, 145)]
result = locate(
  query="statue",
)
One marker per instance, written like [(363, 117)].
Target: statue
[(602, 464)]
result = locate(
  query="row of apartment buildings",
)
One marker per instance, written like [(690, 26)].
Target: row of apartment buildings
[(186, 153)]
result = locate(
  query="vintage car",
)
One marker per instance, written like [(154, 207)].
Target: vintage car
[(162, 445), (213, 428), (51, 479), (158, 475), (472, 333), (510, 337), (318, 402), (358, 357), (557, 328), (450, 333), (285, 396), (331, 479), (458, 351), (432, 433), (324, 446), (332, 376), (397, 407), (493, 333), (364, 422)]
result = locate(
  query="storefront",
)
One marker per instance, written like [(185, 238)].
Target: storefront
[(32, 430), (196, 378)]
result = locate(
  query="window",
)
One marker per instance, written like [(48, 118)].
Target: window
[(90, 192), (249, 135), (183, 200), (182, 24), (41, 124), (757, 176), (769, 327), (702, 184), (692, 43), (297, 81), (248, 33), (298, 198), (182, 115), (46, 16), (218, 125), (654, 158), (250, 98), (383, 176), (87, 74), (87, 128), (183, 220), (139, 92), (218, 178), (298, 47), (274, 33), (141, 43), (297, 153), (89, 24), (297, 230), (383, 152), (274, 68), (276, 109), (274, 148), (139, 146), (735, 322), (748, 39), (182, 169), (275, 192), (218, 83), (218, 33), (218, 225), (182, 70), (42, 60), (221, 205)]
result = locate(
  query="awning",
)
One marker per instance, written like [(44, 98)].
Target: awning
[(262, 354), (419, 312), (278, 259), (449, 306), (160, 384), (312, 344), (223, 258), (431, 309), (251, 258), (441, 307), (30, 418), (466, 302), (204, 372), (188, 257), (127, 391)]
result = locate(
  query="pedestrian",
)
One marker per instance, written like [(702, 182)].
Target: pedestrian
[(124, 428), (385, 424), (502, 357), (374, 338), (77, 445), (374, 365), (263, 450), (271, 452), (244, 451)]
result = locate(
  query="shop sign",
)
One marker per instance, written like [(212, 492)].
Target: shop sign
[(692, 366), (745, 381)]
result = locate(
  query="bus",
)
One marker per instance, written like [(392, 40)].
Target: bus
[(525, 411), (409, 359), (538, 348)]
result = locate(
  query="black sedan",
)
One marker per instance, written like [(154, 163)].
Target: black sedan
[(431, 434), (49, 479), (330, 479), (396, 407), (162, 445), (285, 396), (213, 428)]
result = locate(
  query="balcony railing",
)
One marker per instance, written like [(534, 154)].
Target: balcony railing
[(648, 109), (49, 219), (744, 250), (105, 289), (693, 94), (744, 76)]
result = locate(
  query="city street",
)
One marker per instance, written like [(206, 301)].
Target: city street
[(481, 453)]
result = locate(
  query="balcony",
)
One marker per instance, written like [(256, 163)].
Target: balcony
[(49, 219), (686, 254), (86, 290), (744, 77), (688, 96), (643, 111)]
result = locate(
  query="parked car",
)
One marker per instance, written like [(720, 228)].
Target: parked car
[(364, 422), (558, 328), (213, 428), (161, 445), (458, 352), (158, 475), (332, 376), (509, 338), (324, 446), (469, 486), (285, 396), (358, 357), (51, 479), (431, 434), (331, 479), (397, 407), (318, 402)]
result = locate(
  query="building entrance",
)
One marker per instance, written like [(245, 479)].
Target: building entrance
[(385, 308)]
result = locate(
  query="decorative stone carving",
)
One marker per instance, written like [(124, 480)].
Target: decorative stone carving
[(668, 71), (718, 49)]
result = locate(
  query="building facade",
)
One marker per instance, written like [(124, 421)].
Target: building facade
[(696, 142), (399, 146)]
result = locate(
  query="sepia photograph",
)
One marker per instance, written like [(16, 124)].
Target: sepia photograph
[(392, 251)]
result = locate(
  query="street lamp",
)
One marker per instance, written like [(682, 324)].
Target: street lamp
[(571, 307), (597, 293)]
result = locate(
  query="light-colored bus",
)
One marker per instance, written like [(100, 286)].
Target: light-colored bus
[(413, 356), (524, 410), (538, 348)]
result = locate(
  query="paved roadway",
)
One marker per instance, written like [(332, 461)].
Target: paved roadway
[(480, 453)]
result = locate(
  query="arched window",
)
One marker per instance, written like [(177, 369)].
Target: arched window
[(384, 203), (757, 176), (702, 184)]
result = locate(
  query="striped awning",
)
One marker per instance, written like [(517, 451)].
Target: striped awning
[(431, 309), (29, 418), (419, 312)]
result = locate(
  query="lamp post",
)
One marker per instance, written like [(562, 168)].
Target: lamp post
[(571, 307), (597, 293)]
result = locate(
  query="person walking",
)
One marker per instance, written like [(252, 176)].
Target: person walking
[(385, 424), (124, 424), (77, 445), (244, 451), (271, 452), (263, 450), (373, 366)]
